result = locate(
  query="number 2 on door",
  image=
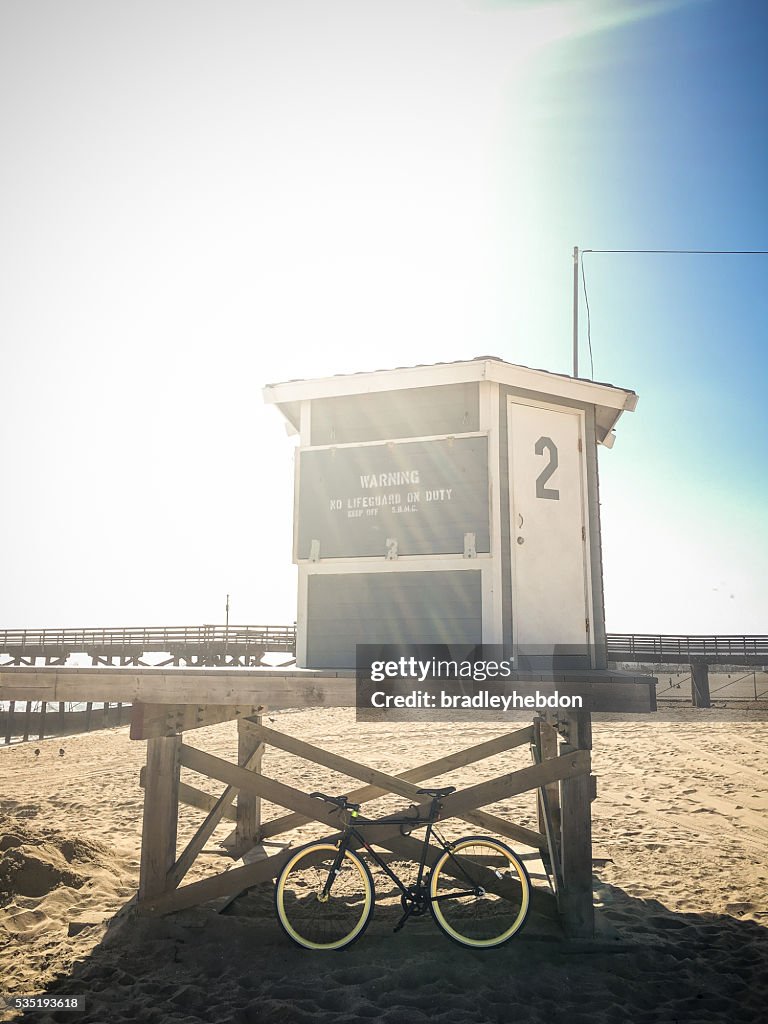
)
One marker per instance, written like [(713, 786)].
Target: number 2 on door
[(542, 491)]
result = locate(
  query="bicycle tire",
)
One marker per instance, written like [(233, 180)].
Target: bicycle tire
[(336, 922), (488, 919)]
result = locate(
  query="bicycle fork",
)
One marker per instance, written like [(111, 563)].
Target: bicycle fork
[(324, 895)]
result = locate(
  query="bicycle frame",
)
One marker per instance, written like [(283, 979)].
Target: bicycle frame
[(351, 832), (474, 868)]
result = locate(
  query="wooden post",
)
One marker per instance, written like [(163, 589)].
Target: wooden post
[(248, 831), (548, 748), (62, 718), (575, 900), (27, 717), (9, 724), (700, 683), (88, 711), (43, 709), (161, 807), (548, 803)]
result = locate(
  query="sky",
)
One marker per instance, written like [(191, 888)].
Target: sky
[(199, 198)]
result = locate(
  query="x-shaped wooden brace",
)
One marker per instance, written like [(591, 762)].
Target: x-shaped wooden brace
[(383, 833)]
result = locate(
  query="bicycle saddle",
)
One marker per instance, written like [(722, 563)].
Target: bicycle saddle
[(340, 801), (438, 793)]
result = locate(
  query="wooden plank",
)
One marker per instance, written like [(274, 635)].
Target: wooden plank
[(550, 859), (547, 747), (161, 804), (454, 805), (250, 750), (520, 781), (9, 721), (430, 770), (282, 688), (193, 797), (388, 783), (575, 897), (207, 827), (700, 683), (151, 719)]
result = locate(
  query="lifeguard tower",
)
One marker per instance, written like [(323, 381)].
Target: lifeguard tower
[(453, 504)]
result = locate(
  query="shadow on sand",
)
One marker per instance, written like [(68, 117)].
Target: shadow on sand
[(648, 965)]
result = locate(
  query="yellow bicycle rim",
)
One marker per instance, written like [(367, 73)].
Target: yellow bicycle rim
[(285, 874), (525, 899)]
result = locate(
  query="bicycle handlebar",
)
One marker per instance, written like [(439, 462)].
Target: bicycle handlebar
[(340, 801)]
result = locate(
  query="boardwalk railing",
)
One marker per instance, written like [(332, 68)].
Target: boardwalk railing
[(647, 647), (183, 640), (146, 638)]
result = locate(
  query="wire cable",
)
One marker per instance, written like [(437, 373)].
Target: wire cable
[(589, 323), (651, 252), (689, 252)]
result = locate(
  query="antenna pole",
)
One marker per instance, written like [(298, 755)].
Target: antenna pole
[(575, 311)]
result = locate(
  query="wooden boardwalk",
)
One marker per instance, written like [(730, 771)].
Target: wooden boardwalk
[(204, 646), (211, 645)]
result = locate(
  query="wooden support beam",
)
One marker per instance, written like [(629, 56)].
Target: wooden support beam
[(250, 762), (700, 683), (193, 797), (430, 770), (286, 687), (43, 710), (575, 896), (546, 735), (542, 749), (384, 783), (161, 805), (455, 805), (9, 724), (250, 750), (27, 716), (150, 720)]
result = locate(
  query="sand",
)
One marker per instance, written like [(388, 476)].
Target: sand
[(680, 837)]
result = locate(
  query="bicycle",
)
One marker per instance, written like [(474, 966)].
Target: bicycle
[(477, 890)]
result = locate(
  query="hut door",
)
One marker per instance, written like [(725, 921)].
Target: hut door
[(549, 557)]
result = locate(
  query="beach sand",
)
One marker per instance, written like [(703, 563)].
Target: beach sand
[(680, 839)]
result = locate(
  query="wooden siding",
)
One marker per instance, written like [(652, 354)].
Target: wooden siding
[(417, 412), (403, 608)]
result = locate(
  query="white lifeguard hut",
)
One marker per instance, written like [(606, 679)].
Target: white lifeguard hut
[(455, 503)]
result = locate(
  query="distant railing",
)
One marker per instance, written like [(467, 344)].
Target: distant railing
[(147, 638), (647, 647), (637, 647)]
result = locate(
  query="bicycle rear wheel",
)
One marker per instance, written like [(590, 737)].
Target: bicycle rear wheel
[(326, 922), (480, 892)]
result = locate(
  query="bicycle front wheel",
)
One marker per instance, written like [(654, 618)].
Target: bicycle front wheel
[(318, 920), (479, 892)]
